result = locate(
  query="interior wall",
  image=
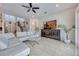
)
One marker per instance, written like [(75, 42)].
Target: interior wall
[(77, 26), (66, 17)]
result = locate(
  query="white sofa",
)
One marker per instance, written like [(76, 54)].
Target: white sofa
[(11, 46), (33, 36)]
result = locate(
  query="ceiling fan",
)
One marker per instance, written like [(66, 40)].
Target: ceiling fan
[(30, 7)]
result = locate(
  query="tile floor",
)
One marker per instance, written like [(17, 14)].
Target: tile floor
[(51, 47)]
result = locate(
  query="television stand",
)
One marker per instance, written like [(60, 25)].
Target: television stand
[(51, 33)]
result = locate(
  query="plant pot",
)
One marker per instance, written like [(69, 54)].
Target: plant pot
[(67, 41)]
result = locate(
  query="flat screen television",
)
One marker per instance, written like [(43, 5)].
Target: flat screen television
[(0, 28), (50, 25)]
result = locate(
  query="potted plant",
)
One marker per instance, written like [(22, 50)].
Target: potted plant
[(66, 30)]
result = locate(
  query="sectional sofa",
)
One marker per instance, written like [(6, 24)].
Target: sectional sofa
[(11, 46), (32, 36)]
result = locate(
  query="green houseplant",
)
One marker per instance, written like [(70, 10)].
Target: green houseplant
[(66, 30)]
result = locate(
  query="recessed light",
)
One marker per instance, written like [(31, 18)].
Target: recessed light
[(57, 5)]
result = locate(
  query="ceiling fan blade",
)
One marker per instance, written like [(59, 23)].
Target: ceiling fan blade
[(30, 4), (35, 7), (25, 6), (28, 10), (33, 10)]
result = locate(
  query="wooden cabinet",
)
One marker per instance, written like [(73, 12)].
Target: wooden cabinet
[(50, 33)]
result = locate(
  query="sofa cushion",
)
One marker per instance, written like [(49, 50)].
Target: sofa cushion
[(8, 36), (2, 45), (13, 42), (9, 42), (21, 34), (36, 35), (27, 35), (24, 38), (4, 41), (30, 33), (24, 34), (18, 50)]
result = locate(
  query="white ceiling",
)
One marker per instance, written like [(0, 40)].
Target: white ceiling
[(17, 10)]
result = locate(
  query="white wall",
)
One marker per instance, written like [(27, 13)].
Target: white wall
[(77, 26), (66, 17)]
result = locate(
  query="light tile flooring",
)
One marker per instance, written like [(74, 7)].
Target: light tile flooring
[(51, 47), (78, 52)]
